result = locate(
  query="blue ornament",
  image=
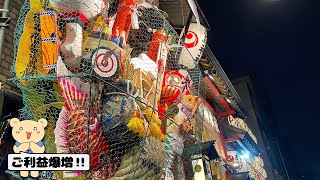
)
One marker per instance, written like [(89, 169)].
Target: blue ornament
[(116, 41)]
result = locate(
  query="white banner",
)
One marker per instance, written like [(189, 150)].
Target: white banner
[(201, 174), (48, 162), (195, 42)]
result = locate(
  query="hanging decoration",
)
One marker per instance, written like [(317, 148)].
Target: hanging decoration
[(195, 42), (102, 74)]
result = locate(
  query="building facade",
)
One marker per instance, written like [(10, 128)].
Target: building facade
[(7, 50), (262, 127), (10, 97), (10, 94)]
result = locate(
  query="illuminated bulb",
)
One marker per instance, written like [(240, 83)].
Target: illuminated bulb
[(228, 100), (235, 165), (246, 156)]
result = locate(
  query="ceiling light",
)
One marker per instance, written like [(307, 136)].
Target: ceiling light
[(245, 156), (228, 100)]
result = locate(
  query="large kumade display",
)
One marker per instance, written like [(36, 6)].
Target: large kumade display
[(113, 81)]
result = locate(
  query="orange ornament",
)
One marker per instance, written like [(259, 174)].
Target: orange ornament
[(158, 36)]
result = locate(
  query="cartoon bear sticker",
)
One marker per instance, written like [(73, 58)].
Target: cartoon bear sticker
[(28, 135)]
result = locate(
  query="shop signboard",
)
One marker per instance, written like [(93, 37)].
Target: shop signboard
[(211, 129), (233, 157), (239, 161), (241, 164), (198, 167), (195, 42), (207, 167), (240, 123), (244, 165), (208, 116), (201, 167), (256, 166)]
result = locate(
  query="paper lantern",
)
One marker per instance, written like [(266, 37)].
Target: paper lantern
[(50, 40), (195, 42), (158, 37), (123, 21)]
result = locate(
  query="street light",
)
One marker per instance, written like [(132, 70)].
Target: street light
[(245, 156)]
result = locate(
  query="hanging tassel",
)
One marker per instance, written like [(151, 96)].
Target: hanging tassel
[(136, 125), (155, 131)]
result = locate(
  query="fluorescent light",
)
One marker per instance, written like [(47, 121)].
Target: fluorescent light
[(246, 156), (228, 100)]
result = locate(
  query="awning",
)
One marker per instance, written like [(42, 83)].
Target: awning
[(178, 16), (240, 176), (209, 150), (210, 64), (206, 148), (241, 137), (12, 101), (231, 130), (248, 142)]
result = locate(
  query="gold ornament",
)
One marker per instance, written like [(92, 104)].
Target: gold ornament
[(198, 168)]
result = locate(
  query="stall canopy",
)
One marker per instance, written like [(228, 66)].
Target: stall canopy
[(217, 79), (12, 101), (178, 16), (209, 149), (241, 137)]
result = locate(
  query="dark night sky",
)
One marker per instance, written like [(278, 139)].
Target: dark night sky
[(278, 43)]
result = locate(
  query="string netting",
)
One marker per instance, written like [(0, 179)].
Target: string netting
[(74, 73)]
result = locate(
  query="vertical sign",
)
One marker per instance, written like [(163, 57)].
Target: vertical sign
[(208, 168)]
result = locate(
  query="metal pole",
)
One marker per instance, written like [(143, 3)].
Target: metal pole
[(1, 98), (187, 26), (285, 168), (3, 29)]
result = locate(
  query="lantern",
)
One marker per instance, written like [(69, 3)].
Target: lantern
[(194, 43), (201, 162), (159, 39), (198, 167)]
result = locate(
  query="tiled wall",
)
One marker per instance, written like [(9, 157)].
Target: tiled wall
[(7, 53)]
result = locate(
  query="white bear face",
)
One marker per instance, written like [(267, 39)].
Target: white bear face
[(28, 130)]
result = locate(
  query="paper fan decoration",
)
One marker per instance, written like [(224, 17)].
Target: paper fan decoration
[(195, 42), (105, 62), (71, 132)]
